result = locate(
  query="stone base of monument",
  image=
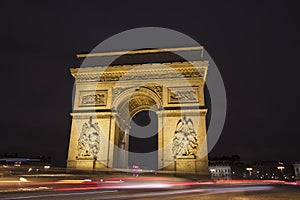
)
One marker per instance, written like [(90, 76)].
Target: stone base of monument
[(87, 163), (84, 164), (191, 165)]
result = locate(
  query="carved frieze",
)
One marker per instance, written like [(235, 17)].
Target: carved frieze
[(187, 72), (89, 141), (183, 95), (184, 143), (93, 98)]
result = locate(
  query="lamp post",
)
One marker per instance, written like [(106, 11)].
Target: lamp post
[(249, 169), (281, 168), (212, 173)]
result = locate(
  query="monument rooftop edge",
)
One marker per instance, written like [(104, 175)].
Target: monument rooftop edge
[(141, 56)]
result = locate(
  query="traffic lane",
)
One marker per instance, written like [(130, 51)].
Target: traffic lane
[(214, 192), (56, 195), (278, 193)]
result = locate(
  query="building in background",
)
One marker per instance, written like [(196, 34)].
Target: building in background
[(226, 167), (297, 170), (231, 168), (20, 161), (16, 165), (276, 170), (219, 170)]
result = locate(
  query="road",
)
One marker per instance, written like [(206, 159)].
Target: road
[(59, 185), (220, 191)]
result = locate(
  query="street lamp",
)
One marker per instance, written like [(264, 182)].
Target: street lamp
[(212, 173), (281, 168), (250, 170)]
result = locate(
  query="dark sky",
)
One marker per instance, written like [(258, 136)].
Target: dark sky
[(254, 43)]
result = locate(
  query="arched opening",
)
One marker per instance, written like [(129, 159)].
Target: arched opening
[(143, 140), (135, 133)]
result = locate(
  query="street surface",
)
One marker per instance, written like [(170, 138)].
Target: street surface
[(59, 184), (144, 190)]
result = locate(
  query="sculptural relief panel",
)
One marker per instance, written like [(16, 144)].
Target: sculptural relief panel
[(184, 142), (93, 98), (183, 95), (89, 140)]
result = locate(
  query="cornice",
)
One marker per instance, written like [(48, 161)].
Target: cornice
[(145, 51), (189, 112), (94, 115)]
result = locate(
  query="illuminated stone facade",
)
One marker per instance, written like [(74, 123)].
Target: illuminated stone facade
[(107, 97)]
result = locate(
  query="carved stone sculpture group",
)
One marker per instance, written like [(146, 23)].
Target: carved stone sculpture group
[(185, 139), (89, 140)]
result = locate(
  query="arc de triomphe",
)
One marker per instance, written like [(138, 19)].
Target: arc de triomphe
[(108, 96)]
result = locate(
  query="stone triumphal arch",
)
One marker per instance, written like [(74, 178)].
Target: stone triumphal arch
[(108, 96)]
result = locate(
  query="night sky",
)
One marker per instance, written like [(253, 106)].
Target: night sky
[(254, 43)]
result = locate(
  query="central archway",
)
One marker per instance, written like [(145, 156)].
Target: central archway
[(136, 122), (143, 140)]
